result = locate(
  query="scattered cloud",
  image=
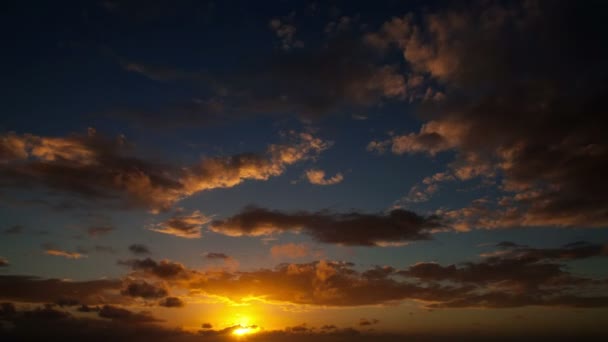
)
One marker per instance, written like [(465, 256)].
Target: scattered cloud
[(544, 148)]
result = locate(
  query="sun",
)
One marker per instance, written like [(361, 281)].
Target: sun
[(243, 331)]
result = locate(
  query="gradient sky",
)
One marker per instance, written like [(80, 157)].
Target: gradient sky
[(328, 170)]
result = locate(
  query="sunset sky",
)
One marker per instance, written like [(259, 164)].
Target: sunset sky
[(303, 170)]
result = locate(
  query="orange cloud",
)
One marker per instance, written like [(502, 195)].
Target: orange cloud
[(65, 254), (186, 226), (317, 177)]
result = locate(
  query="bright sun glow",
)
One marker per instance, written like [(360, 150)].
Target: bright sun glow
[(243, 331)]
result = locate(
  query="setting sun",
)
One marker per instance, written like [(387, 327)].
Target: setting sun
[(245, 330)]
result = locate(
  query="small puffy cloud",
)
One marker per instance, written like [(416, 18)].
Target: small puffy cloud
[(317, 177), (171, 302), (186, 226), (138, 248), (290, 250)]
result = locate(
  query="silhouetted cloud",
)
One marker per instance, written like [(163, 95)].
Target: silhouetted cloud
[(144, 290), (138, 249), (39, 290), (162, 269), (341, 228), (171, 302), (120, 314), (216, 256)]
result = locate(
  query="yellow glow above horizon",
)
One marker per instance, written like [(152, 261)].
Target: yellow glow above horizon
[(244, 331)]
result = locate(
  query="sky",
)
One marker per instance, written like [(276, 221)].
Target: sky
[(303, 170)]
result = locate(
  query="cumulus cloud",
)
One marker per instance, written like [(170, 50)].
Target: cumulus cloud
[(103, 169), (534, 129), (346, 228), (317, 177)]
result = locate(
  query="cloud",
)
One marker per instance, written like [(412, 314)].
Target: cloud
[(286, 33), (171, 302), (40, 290), (163, 269), (186, 226), (144, 290), (317, 177), (290, 250), (65, 254), (366, 322), (138, 249), (538, 132), (216, 256), (105, 170), (355, 229), (123, 315)]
